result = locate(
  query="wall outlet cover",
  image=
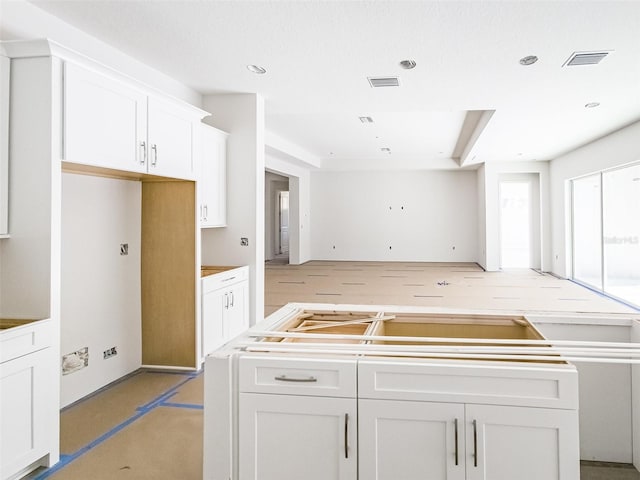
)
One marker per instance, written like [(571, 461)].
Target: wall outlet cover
[(244, 241)]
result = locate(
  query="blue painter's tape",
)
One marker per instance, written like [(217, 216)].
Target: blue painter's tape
[(160, 400), (193, 406)]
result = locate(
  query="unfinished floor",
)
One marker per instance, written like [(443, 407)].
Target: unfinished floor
[(149, 425)]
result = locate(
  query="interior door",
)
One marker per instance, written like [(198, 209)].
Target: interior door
[(283, 202)]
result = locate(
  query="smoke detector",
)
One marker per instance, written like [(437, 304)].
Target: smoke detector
[(366, 119)]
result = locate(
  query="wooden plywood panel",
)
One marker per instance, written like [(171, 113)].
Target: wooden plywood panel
[(168, 274)]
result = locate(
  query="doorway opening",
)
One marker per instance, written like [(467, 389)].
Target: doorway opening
[(515, 224), (283, 223)]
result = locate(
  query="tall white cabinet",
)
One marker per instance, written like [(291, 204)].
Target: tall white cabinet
[(212, 186)]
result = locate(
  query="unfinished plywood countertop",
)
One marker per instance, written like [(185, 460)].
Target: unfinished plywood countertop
[(6, 323), (207, 270)]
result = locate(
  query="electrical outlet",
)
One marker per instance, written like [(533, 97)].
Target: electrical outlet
[(109, 352), (124, 249), (244, 241)]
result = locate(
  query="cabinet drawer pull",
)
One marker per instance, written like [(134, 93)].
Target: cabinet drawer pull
[(232, 298), (455, 435), (143, 157), (206, 211), (226, 300), (228, 279), (284, 378), (346, 435), (475, 444)]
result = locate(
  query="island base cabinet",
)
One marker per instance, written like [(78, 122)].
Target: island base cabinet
[(410, 440), (521, 442), (404, 440), (291, 437)]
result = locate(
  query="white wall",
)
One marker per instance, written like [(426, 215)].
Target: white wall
[(242, 116), (619, 148), (21, 20), (421, 215), (605, 395), (493, 171), (274, 184), (100, 288)]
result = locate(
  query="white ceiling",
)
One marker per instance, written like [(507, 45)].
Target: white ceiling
[(318, 55)]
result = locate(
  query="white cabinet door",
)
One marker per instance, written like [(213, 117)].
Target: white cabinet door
[(104, 121), (26, 410), (410, 440), (213, 310), (289, 437), (523, 443), (171, 138), (237, 312), (213, 185)]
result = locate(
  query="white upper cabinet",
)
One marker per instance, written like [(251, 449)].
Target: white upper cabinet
[(171, 139), (105, 121), (213, 178), (116, 125)]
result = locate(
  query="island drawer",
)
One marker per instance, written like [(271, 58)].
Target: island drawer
[(518, 385), (298, 376), (31, 337)]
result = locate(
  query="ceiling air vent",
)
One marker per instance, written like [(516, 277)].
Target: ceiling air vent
[(376, 82), (585, 58)]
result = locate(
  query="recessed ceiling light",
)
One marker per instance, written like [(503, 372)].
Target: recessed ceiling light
[(366, 119), (385, 150), (408, 64), (528, 60), (256, 69), (592, 105)]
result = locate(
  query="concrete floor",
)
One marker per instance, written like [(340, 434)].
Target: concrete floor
[(149, 425)]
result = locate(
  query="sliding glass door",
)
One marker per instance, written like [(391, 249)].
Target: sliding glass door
[(587, 231), (621, 233), (606, 232)]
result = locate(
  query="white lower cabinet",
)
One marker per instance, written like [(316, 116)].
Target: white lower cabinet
[(225, 307), (292, 437), (401, 440), (28, 400), (504, 443), (410, 440)]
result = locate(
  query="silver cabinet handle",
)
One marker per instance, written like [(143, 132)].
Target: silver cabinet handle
[(284, 378), (455, 437), (154, 148), (143, 157), (226, 300), (232, 298), (475, 444), (206, 211), (201, 215), (228, 279), (346, 435)]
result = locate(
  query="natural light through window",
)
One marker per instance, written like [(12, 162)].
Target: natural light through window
[(606, 232)]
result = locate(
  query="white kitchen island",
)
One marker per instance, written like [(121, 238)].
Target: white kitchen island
[(326, 392)]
